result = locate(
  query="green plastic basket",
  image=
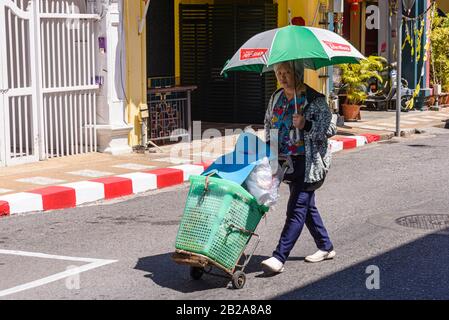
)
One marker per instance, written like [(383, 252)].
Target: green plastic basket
[(205, 226)]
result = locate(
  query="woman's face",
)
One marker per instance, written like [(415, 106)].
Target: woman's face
[(285, 76)]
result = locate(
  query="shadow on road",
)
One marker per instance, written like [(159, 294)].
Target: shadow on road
[(164, 272), (417, 270)]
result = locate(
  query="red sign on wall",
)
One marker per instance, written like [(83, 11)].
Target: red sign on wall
[(246, 54)]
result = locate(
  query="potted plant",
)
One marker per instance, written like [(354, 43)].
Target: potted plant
[(439, 38), (446, 89), (355, 81)]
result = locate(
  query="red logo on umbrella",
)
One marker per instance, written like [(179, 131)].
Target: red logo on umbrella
[(338, 46), (246, 54)]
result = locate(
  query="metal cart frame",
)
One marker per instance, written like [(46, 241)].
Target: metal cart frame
[(200, 264)]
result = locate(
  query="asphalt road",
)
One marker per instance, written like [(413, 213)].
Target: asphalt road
[(385, 206)]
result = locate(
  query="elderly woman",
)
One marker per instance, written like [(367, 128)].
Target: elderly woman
[(302, 139)]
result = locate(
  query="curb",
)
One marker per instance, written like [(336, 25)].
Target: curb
[(71, 195), (74, 194)]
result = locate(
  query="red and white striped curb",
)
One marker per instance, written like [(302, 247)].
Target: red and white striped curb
[(350, 142), (74, 194)]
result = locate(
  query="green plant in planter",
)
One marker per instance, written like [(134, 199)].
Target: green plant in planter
[(439, 38), (355, 77)]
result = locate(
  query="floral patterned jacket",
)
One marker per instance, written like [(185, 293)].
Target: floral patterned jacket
[(320, 126)]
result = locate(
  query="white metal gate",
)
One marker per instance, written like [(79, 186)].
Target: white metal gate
[(18, 113), (47, 79)]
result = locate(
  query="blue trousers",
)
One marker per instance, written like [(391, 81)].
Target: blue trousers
[(301, 210)]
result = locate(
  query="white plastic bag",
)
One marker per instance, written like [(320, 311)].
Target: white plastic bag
[(263, 185)]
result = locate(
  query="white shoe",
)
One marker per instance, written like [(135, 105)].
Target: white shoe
[(272, 265), (320, 256)]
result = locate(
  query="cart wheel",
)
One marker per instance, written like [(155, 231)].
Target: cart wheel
[(238, 279), (196, 273)]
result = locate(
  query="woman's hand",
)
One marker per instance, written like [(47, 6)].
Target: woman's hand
[(299, 121)]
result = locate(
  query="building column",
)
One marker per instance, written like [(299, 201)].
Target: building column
[(112, 128)]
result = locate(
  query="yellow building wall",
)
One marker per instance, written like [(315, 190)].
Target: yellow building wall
[(307, 10), (136, 68)]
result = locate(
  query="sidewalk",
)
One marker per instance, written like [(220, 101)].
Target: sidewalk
[(386, 120), (72, 181)]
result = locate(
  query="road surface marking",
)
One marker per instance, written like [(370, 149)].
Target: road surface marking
[(92, 264)]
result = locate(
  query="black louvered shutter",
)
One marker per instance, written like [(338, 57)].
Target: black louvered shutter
[(211, 34), (221, 93), (252, 89), (194, 59)]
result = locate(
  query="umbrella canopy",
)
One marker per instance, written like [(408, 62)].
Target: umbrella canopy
[(316, 47)]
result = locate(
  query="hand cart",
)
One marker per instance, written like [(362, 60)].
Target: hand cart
[(219, 220)]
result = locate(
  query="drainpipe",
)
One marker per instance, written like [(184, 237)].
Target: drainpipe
[(143, 106)]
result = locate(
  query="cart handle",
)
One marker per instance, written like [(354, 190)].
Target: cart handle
[(242, 230), (206, 184)]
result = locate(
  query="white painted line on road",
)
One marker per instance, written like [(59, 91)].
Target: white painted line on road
[(47, 256), (93, 264)]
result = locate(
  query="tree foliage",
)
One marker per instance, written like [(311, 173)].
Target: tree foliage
[(440, 51)]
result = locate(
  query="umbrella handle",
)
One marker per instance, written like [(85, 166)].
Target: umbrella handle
[(296, 109)]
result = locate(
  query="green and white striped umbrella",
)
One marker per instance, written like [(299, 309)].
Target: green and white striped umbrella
[(316, 47)]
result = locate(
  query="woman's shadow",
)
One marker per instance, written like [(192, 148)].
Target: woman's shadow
[(163, 271)]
